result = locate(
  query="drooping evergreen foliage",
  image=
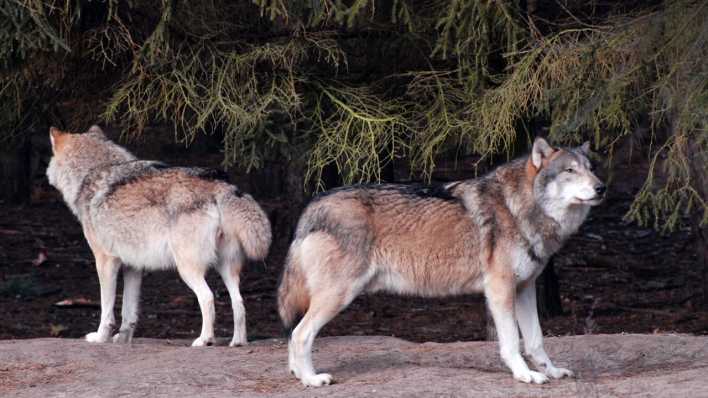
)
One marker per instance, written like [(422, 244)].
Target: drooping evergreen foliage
[(361, 83)]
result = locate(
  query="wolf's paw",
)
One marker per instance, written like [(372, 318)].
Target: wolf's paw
[(558, 373), (294, 371), (238, 342), (123, 337), (95, 337), (317, 380), (531, 377), (203, 342)]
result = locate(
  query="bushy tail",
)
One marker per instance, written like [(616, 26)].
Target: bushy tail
[(244, 220), (293, 296)]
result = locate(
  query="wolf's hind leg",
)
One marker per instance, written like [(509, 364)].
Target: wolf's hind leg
[(230, 274), (527, 315), (194, 278), (335, 276), (107, 268), (193, 249), (322, 310), (132, 279), (500, 291)]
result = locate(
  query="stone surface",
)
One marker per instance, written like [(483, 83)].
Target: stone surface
[(605, 365)]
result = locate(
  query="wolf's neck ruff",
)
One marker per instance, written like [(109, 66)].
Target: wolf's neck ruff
[(80, 159), (101, 181), (510, 192)]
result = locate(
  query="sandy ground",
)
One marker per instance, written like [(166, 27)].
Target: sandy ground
[(606, 366)]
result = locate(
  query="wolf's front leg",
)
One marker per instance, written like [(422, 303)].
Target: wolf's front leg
[(107, 268), (527, 315), (500, 292), (132, 279)]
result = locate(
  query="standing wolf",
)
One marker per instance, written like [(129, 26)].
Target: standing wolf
[(147, 216), (492, 235)]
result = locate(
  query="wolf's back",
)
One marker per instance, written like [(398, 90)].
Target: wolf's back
[(243, 219)]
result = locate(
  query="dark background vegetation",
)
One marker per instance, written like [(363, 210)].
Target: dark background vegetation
[(292, 97)]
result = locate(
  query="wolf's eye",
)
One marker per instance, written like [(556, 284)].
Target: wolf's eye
[(569, 170)]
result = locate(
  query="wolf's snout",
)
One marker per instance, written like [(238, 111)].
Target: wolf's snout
[(600, 189)]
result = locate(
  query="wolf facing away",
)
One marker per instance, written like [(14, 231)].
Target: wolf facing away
[(143, 215), (492, 235)]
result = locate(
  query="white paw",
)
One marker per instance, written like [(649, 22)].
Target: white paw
[(203, 341), (237, 342), (531, 377), (294, 371), (558, 373), (123, 337), (317, 380), (96, 337)]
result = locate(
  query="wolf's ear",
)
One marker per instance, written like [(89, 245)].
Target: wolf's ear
[(585, 148), (540, 151), (55, 136), (96, 131)]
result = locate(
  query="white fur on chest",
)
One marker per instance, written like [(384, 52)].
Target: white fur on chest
[(524, 266), (569, 218)]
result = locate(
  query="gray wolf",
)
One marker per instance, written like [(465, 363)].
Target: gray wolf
[(142, 215), (492, 235)]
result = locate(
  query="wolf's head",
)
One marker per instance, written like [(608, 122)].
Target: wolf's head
[(75, 155), (565, 177)]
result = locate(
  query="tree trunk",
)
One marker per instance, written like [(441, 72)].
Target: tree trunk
[(698, 161), (16, 170), (294, 190), (490, 329), (702, 242)]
